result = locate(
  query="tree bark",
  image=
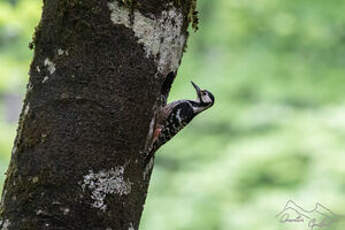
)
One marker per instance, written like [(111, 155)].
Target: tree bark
[(101, 71)]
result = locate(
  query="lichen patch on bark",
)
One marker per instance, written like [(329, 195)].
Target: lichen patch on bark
[(50, 65), (27, 109), (106, 182), (45, 79), (5, 224), (65, 211), (161, 36), (62, 52)]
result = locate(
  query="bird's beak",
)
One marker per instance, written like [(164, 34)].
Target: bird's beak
[(198, 90)]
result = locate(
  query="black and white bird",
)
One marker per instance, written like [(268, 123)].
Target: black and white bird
[(176, 115)]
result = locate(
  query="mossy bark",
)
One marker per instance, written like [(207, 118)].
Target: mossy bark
[(91, 97)]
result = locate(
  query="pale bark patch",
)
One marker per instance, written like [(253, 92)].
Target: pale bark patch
[(161, 36), (50, 65), (106, 182)]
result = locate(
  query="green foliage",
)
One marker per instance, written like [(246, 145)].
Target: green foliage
[(16, 27), (276, 131)]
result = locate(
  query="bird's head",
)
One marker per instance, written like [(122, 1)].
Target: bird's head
[(205, 98)]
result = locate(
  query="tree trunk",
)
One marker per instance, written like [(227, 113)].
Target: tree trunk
[(101, 71)]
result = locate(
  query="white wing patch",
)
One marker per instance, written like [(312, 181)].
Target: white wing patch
[(178, 115)]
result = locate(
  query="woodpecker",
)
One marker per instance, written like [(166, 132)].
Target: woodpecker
[(176, 115)]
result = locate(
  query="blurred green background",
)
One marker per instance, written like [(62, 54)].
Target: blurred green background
[(276, 132)]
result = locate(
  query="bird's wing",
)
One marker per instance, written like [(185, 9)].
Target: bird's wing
[(165, 112)]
